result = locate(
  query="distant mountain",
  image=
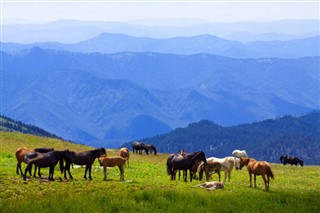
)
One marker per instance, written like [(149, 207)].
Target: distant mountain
[(73, 31), (264, 140), (115, 43), (107, 99), (9, 125)]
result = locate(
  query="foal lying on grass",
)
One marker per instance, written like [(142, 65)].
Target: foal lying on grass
[(211, 185), (106, 161)]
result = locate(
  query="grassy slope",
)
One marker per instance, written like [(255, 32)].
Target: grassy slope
[(148, 187)]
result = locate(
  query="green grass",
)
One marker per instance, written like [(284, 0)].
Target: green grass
[(147, 188)]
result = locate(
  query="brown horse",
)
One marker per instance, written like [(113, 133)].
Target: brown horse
[(257, 168), (124, 152), (151, 148), (20, 155), (139, 147), (112, 162)]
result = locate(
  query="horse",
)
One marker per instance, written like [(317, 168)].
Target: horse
[(184, 162), (49, 159), (124, 152), (86, 158), (290, 160), (139, 146), (257, 168), (228, 163), (210, 167), (22, 151), (169, 164), (112, 162), (239, 153), (151, 148)]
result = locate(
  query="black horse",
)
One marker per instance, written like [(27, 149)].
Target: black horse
[(86, 158), (138, 147), (184, 162), (36, 153), (49, 159), (151, 148), (290, 160)]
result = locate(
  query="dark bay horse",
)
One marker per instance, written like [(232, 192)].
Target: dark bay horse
[(257, 168), (151, 148), (49, 159), (86, 158), (184, 162), (138, 147), (22, 151), (290, 160)]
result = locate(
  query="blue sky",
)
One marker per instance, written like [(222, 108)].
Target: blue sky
[(37, 11)]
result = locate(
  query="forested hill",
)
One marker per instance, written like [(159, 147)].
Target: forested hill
[(10, 125), (265, 140)]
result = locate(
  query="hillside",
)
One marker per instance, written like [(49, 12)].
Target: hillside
[(267, 140), (106, 99), (9, 125)]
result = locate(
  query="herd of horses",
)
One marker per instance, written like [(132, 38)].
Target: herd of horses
[(195, 162)]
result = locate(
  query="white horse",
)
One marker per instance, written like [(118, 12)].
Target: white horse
[(227, 162), (237, 154)]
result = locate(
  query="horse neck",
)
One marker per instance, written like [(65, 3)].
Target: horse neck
[(196, 156)]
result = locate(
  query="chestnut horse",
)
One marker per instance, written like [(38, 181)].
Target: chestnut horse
[(257, 168), (124, 152), (22, 151), (113, 161)]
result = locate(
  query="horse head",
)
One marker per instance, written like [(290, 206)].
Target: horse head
[(244, 161)]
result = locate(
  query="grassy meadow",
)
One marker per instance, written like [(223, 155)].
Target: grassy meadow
[(147, 188)]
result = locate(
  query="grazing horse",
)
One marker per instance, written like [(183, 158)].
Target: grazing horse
[(151, 148), (112, 162), (49, 159), (184, 162), (82, 158), (228, 164), (139, 146), (211, 167), (290, 160), (124, 152), (257, 168), (22, 151)]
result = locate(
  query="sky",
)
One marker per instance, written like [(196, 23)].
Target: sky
[(37, 11)]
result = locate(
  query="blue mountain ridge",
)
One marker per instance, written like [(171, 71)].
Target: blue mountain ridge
[(106, 99)]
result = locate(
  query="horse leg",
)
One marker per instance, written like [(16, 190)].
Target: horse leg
[(51, 171), (104, 173), (121, 173), (85, 173), (266, 188), (219, 175), (90, 172), (250, 179), (190, 173), (25, 172), (18, 167)]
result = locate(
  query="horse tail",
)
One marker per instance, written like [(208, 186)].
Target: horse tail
[(61, 165), (269, 172), (169, 168)]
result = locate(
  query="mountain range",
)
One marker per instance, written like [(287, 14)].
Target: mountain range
[(74, 31), (264, 140), (115, 43), (106, 99)]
